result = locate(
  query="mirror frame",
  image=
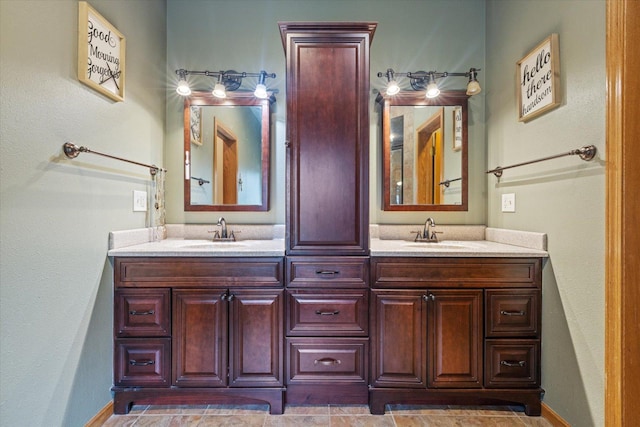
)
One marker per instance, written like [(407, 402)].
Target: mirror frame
[(246, 99), (445, 99)]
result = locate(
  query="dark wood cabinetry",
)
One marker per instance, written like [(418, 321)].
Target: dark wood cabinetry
[(455, 330), (198, 330), (327, 136)]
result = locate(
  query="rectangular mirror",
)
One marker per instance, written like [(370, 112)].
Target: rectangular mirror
[(425, 153), (226, 152)]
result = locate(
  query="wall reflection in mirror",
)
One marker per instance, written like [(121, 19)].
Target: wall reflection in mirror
[(226, 152), (425, 151)]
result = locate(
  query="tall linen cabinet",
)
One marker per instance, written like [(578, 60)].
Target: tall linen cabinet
[(327, 219)]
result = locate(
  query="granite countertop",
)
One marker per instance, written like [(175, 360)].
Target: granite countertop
[(184, 240)]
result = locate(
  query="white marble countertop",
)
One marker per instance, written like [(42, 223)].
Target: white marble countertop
[(186, 248), (451, 248)]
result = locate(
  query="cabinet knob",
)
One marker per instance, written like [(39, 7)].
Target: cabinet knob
[(429, 297), (287, 144)]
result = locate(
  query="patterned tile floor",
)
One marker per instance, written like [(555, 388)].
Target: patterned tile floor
[(324, 415)]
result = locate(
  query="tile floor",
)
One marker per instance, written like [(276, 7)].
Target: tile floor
[(324, 415)]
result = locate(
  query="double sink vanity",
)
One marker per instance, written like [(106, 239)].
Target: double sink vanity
[(199, 321), (326, 308)]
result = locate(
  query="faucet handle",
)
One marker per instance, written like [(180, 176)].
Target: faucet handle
[(216, 234), (418, 234)]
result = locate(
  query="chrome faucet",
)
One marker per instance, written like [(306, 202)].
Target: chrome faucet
[(223, 228), (223, 233), (427, 235)]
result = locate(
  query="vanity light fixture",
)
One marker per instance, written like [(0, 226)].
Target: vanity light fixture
[(229, 80), (426, 80)]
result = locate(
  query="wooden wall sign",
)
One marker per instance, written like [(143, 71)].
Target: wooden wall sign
[(538, 76), (101, 51)]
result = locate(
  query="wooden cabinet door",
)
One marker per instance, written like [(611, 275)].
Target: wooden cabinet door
[(455, 338), (199, 345), (328, 137), (399, 327), (256, 338)]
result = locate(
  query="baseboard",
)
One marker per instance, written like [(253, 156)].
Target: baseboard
[(101, 417), (553, 417)]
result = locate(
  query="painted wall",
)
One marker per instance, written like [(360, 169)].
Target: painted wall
[(55, 214), (564, 197), (412, 35)]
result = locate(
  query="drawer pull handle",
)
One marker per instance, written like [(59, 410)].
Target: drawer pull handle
[(327, 272), (327, 361), (142, 313), (327, 313), (512, 364), (141, 363), (512, 313)]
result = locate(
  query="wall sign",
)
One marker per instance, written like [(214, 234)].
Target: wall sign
[(538, 76), (101, 49)]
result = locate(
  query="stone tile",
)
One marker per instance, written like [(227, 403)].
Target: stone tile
[(306, 410), (175, 409), (168, 421), (120, 421), (485, 421), (480, 410), (349, 410), (232, 421), (423, 421), (297, 420), (362, 421), (535, 421), (418, 409), (237, 410), (137, 409)]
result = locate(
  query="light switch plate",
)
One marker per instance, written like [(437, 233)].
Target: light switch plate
[(509, 202), (139, 201)]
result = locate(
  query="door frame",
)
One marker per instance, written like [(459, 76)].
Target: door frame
[(622, 228)]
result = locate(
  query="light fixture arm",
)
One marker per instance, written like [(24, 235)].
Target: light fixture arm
[(419, 80), (231, 79)]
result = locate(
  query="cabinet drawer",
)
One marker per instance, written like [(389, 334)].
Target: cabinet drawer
[(327, 312), (142, 312), (328, 271), (197, 272), (389, 272), (142, 362), (328, 360), (512, 363), (512, 313)]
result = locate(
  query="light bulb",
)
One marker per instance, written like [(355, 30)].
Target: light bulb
[(261, 91), (183, 88), (393, 88), (432, 90), (219, 91), (473, 88)]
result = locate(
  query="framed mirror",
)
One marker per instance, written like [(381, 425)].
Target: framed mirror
[(226, 152), (425, 155)]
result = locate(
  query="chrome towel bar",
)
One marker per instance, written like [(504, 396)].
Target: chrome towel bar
[(588, 152), (72, 151)]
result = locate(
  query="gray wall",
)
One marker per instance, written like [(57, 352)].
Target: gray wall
[(411, 35), (564, 197), (55, 279)]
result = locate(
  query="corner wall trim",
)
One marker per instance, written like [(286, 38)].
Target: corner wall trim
[(102, 416), (553, 417)]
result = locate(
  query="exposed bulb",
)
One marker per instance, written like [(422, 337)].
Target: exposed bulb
[(183, 88), (261, 91), (432, 90), (219, 91), (393, 88)]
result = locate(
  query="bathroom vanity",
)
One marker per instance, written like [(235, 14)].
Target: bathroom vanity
[(200, 322)]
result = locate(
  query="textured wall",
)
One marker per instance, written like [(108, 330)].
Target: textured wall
[(55, 279), (564, 197), (412, 35)]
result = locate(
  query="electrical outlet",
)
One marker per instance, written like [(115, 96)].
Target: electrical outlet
[(509, 202), (139, 201)]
